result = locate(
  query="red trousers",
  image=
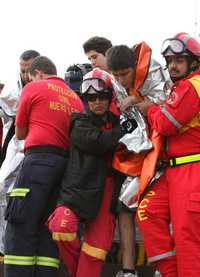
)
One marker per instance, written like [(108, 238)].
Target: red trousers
[(169, 219), (84, 259)]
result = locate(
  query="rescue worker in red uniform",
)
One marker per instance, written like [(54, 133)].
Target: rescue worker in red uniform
[(169, 214), (43, 120), (87, 188)]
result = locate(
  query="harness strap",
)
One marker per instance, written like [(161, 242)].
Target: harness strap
[(184, 160)]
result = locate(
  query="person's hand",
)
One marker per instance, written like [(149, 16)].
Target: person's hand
[(143, 106), (127, 102), (128, 125)]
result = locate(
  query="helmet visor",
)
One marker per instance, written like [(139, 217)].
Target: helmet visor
[(176, 46), (95, 84)]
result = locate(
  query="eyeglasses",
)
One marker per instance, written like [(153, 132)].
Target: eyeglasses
[(100, 96), (96, 84), (173, 44)]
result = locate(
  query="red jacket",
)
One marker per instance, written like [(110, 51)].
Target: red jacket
[(179, 118)]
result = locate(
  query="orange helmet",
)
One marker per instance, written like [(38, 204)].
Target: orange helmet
[(181, 44)]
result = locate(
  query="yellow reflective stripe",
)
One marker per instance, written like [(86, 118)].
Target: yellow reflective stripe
[(31, 260), (21, 189), (19, 192), (94, 251), (195, 81), (185, 159), (63, 236), (19, 260), (47, 261)]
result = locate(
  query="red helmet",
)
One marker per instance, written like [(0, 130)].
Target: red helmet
[(97, 79), (181, 44)]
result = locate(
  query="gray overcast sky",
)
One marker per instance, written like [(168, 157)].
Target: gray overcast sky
[(58, 29)]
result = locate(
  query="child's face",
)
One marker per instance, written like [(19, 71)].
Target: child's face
[(124, 76)]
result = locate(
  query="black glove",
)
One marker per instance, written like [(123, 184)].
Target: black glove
[(128, 125)]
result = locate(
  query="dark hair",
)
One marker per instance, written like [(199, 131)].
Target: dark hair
[(120, 57), (29, 54), (44, 64), (99, 44)]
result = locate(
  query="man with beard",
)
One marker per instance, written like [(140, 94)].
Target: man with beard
[(175, 196)]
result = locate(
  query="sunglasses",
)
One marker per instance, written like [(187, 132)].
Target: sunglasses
[(94, 97), (173, 44)]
